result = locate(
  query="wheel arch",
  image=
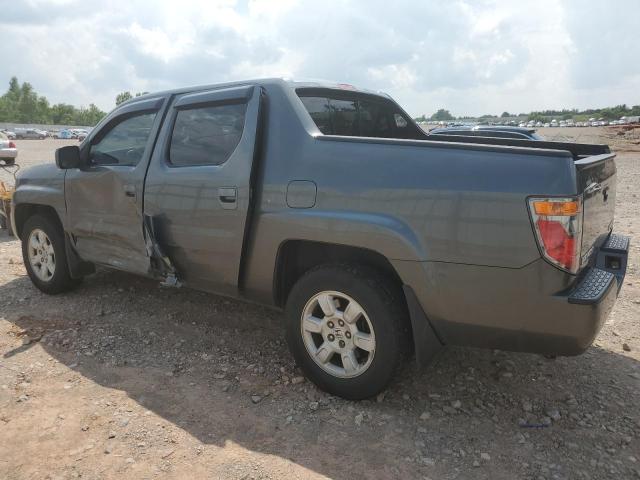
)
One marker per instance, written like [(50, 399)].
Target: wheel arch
[(295, 257), (23, 211)]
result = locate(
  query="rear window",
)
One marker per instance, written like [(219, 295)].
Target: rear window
[(357, 115)]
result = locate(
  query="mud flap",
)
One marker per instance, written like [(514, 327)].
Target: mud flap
[(159, 263), (78, 268), (426, 342)]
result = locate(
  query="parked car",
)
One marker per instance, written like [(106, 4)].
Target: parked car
[(65, 134), (11, 135), (375, 238), (8, 150), (488, 131), (30, 133), (81, 134)]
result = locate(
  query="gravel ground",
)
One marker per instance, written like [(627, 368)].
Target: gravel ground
[(124, 379)]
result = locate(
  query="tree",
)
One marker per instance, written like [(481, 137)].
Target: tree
[(14, 90), (506, 114), (442, 114), (22, 104), (123, 97)]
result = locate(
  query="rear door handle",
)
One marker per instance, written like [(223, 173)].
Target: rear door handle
[(130, 191), (228, 197)]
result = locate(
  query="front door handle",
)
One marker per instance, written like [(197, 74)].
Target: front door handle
[(228, 197), (130, 191)]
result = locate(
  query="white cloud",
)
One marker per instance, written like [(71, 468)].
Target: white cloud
[(471, 57)]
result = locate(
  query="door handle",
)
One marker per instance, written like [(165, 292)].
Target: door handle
[(130, 191), (228, 197)]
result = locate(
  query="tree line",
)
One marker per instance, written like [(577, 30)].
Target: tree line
[(609, 113), (21, 104)]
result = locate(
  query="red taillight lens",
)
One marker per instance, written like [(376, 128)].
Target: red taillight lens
[(558, 227), (12, 145), (558, 244)]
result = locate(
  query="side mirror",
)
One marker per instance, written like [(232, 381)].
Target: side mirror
[(68, 157)]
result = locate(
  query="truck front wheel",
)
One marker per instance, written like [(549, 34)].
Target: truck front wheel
[(348, 329), (44, 255)]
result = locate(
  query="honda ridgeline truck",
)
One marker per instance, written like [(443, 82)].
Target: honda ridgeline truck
[(329, 202)]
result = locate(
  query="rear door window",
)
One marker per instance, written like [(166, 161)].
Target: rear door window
[(206, 135)]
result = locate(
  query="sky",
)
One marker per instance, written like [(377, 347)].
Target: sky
[(471, 57)]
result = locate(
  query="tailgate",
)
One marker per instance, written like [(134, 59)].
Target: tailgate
[(596, 177)]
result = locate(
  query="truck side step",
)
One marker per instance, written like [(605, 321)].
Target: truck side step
[(592, 287), (616, 243)]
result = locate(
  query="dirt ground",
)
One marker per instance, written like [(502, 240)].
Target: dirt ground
[(124, 379)]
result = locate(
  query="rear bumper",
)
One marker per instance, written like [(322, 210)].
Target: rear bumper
[(537, 308), (8, 153)]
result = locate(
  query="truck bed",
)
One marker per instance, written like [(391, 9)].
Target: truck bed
[(578, 150)]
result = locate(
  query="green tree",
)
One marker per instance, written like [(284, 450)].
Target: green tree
[(62, 114), (505, 115), (28, 104), (14, 89), (21, 104), (441, 115), (123, 97)]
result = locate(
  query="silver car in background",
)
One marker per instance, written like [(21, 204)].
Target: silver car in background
[(8, 150)]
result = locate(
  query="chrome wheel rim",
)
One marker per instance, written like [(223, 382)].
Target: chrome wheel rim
[(41, 255), (338, 334)]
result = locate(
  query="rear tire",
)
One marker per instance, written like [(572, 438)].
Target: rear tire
[(348, 329), (45, 257)]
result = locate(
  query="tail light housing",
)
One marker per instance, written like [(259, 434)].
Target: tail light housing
[(557, 223), (12, 145)]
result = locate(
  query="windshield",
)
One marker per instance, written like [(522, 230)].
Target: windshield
[(354, 114)]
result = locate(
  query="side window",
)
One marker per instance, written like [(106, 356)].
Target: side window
[(206, 135), (318, 108), (125, 142), (375, 120), (344, 116)]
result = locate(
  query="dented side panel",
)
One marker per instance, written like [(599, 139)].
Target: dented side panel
[(104, 210)]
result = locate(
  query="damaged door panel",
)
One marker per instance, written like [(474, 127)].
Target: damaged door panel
[(197, 188), (104, 199), (160, 265)]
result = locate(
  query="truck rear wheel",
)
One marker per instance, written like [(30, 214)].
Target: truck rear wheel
[(348, 329), (44, 255)]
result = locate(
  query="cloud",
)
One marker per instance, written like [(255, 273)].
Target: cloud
[(471, 57)]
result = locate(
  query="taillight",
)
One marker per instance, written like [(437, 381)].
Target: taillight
[(12, 145), (558, 226)]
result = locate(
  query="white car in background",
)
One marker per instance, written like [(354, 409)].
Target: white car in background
[(8, 150), (10, 134)]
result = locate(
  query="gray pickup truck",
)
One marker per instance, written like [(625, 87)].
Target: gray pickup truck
[(329, 202)]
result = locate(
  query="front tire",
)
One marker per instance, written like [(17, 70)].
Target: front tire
[(348, 329), (44, 255)]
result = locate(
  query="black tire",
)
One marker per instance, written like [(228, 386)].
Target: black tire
[(61, 280), (386, 309)]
